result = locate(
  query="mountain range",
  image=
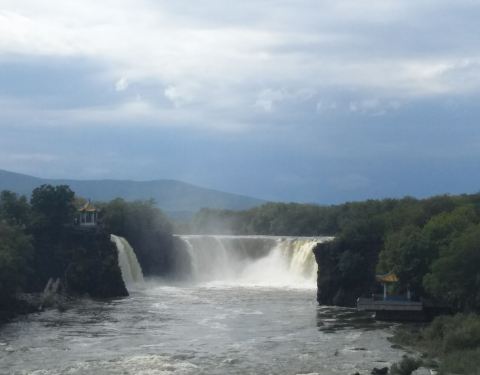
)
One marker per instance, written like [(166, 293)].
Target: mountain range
[(178, 199)]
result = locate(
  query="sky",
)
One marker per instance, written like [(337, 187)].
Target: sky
[(319, 101)]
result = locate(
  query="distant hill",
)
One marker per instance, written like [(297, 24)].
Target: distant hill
[(176, 198)]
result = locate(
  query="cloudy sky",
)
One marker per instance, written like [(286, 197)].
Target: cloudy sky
[(306, 100)]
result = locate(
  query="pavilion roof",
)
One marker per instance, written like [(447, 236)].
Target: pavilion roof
[(387, 278), (88, 207)]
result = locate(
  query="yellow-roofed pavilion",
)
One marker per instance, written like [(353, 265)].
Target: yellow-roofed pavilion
[(385, 279), (88, 214)]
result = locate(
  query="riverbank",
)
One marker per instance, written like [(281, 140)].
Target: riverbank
[(14, 308), (29, 303), (451, 343)]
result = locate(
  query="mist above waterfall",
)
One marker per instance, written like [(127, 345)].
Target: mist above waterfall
[(252, 260)]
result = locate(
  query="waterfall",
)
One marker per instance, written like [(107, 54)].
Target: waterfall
[(253, 260), (127, 261)]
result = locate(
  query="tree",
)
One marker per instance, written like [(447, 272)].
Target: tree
[(15, 256), (14, 209), (455, 275), (446, 226), (52, 208), (52, 214), (408, 254)]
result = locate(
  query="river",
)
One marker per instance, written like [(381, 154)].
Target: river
[(199, 327)]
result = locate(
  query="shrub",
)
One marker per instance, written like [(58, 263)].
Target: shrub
[(461, 362), (452, 333), (406, 366)]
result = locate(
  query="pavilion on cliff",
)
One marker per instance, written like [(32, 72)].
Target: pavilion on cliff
[(87, 215)]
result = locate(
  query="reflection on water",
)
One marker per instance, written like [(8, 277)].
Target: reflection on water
[(197, 330)]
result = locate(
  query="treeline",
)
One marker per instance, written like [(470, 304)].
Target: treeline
[(39, 241), (433, 245), (271, 218)]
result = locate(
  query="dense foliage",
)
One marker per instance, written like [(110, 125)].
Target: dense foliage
[(15, 258), (455, 340), (52, 211), (16, 249), (271, 218)]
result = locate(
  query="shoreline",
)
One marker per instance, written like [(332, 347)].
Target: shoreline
[(16, 308)]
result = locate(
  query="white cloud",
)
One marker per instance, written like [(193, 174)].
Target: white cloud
[(365, 105), (374, 106), (324, 106), (121, 84), (267, 99), (181, 95)]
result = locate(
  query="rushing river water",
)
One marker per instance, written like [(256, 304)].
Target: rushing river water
[(248, 308), (197, 330)]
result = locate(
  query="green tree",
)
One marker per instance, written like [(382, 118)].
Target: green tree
[(455, 275), (15, 256), (52, 215), (446, 226), (14, 210), (408, 254), (52, 206)]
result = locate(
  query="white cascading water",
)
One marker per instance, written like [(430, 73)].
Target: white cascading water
[(253, 260), (132, 274)]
